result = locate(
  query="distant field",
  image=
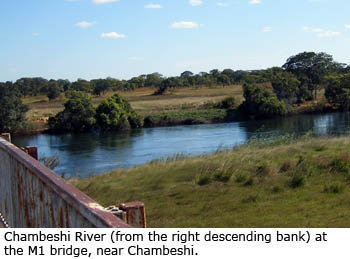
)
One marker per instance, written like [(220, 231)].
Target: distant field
[(141, 100), (287, 183)]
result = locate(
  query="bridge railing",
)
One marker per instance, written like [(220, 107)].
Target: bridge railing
[(31, 195)]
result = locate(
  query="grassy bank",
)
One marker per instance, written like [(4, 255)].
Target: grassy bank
[(179, 106), (283, 183)]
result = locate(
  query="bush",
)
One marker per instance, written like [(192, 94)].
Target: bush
[(338, 91), (263, 169), (334, 188), (296, 181), (339, 165), (249, 182), (115, 113), (77, 116), (240, 178), (261, 102), (276, 189), (12, 111), (203, 180), (228, 103)]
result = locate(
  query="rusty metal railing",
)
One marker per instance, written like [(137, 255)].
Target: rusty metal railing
[(32, 195)]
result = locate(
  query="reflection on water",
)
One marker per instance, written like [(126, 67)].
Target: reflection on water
[(86, 154)]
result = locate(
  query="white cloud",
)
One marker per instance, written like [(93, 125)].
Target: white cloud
[(317, 30), (255, 1), (104, 1), (184, 25), (153, 6), (85, 24), (112, 35), (222, 4), (347, 26), (328, 34), (134, 59), (195, 2), (322, 33), (267, 29), (36, 34)]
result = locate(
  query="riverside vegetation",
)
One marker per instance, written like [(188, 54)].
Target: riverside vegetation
[(271, 182), (307, 82)]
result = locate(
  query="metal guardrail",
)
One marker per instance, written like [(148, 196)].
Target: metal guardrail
[(32, 195)]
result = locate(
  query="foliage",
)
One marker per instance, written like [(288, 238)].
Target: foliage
[(286, 86), (54, 90), (12, 111), (338, 91), (261, 102), (77, 116), (228, 103), (310, 69), (115, 113)]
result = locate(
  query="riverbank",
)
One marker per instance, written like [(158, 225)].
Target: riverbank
[(279, 183), (183, 106)]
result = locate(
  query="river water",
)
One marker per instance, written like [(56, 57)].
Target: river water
[(92, 153)]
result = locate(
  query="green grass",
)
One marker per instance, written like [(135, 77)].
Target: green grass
[(284, 182)]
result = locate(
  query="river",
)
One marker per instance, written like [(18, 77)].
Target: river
[(88, 154)]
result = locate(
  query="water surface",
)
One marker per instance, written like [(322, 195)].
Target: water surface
[(92, 153)]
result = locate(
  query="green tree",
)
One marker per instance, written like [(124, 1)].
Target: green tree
[(310, 68), (261, 102), (54, 90), (115, 113), (338, 91), (77, 116), (287, 87), (12, 111)]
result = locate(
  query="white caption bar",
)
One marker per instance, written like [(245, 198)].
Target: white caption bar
[(153, 243)]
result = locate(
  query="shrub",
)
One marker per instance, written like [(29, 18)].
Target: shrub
[(12, 111), (333, 188), (115, 113), (251, 198), (296, 181), (77, 116), (263, 169), (249, 182), (261, 102), (228, 103), (339, 165), (203, 180), (276, 189), (223, 176), (240, 178), (285, 166)]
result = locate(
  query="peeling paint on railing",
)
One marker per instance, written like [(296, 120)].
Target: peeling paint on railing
[(32, 195)]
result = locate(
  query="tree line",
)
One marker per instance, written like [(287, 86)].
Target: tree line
[(267, 93)]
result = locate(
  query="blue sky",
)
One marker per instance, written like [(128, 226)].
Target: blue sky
[(89, 39)]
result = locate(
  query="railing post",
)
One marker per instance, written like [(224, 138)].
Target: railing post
[(135, 214), (6, 136), (32, 151)]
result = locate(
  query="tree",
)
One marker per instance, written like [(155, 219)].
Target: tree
[(115, 113), (287, 87), (54, 90), (313, 67), (100, 86), (12, 111), (153, 80), (186, 74), (338, 91), (261, 102), (77, 116)]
